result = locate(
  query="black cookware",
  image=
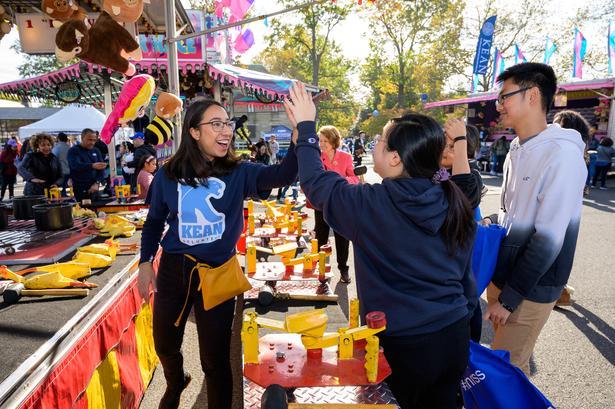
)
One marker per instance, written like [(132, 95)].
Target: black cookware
[(53, 216), (22, 206)]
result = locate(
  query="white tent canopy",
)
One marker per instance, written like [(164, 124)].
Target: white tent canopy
[(71, 119)]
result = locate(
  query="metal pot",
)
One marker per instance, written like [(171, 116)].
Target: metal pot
[(53, 216), (4, 216), (22, 206)]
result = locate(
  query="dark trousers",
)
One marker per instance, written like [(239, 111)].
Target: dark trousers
[(500, 166), (322, 235), (213, 328), (8, 181), (601, 172), (427, 368), (476, 323)]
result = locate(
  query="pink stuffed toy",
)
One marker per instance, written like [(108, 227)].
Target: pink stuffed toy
[(134, 98)]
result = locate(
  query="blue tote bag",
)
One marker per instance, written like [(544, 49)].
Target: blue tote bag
[(485, 254), (492, 382)]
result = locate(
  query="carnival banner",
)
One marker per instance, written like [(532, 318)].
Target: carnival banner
[(483, 48), (550, 48), (611, 47), (499, 65), (580, 48), (519, 57), (154, 46)]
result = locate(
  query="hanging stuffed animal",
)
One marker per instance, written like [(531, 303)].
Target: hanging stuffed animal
[(63, 10), (159, 131), (124, 11), (134, 98), (106, 43), (5, 22)]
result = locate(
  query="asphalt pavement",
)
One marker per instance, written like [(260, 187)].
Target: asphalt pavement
[(574, 359)]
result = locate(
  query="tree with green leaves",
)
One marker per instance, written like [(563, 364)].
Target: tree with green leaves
[(411, 34), (304, 50), (34, 65)]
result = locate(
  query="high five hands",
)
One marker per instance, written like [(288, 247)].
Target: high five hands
[(299, 107)]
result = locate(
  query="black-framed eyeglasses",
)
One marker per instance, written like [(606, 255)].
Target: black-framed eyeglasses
[(218, 126), (504, 97)]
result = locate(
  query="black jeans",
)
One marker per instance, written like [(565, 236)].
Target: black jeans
[(500, 166), (601, 173), (322, 235), (427, 368), (213, 327), (8, 181)]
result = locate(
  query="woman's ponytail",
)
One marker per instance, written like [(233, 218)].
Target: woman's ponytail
[(459, 226)]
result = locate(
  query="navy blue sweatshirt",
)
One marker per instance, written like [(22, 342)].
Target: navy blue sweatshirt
[(80, 161), (206, 221), (402, 263)]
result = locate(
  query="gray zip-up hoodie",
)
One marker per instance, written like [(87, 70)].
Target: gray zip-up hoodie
[(542, 197)]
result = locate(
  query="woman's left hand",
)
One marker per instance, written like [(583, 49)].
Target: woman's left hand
[(302, 107)]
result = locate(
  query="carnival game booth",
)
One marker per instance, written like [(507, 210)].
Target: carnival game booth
[(92, 349), (592, 99), (68, 352)]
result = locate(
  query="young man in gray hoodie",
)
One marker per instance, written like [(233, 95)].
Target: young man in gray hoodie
[(541, 202)]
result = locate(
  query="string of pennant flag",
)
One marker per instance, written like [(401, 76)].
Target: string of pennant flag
[(499, 63)]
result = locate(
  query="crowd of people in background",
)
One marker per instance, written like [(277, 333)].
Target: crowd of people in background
[(80, 162)]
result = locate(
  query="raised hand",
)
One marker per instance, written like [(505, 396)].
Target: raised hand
[(301, 107), (454, 127)]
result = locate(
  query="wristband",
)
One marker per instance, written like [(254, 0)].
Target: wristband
[(505, 306), (459, 138)]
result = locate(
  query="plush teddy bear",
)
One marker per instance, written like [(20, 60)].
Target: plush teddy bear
[(160, 130), (63, 10), (107, 43), (124, 11)]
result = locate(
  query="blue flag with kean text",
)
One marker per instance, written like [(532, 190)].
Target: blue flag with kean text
[(492, 382), (483, 48)]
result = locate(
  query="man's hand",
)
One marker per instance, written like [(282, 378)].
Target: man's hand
[(295, 136), (36, 180), (455, 127), (99, 165), (302, 107), (497, 314), (93, 188)]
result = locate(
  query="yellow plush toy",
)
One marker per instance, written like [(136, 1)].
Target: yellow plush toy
[(159, 131)]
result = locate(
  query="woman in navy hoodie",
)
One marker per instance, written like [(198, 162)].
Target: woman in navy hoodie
[(199, 194), (412, 237)]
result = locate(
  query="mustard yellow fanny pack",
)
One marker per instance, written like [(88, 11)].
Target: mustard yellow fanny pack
[(219, 284)]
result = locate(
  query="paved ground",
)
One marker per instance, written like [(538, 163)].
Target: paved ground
[(574, 361)]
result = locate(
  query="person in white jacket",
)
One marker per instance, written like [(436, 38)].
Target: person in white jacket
[(541, 202)]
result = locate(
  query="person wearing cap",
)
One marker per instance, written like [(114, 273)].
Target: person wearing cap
[(87, 166), (142, 148), (9, 170)]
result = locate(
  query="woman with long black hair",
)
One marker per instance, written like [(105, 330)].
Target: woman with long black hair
[(199, 193), (412, 237)]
